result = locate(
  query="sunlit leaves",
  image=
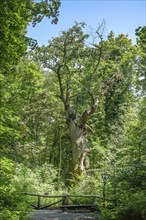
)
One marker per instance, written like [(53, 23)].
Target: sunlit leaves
[(141, 64), (15, 16)]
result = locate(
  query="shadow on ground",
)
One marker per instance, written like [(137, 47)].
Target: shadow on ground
[(59, 215)]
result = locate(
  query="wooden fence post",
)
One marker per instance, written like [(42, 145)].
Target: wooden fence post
[(64, 199), (39, 201), (95, 199)]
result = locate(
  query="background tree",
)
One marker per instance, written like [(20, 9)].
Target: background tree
[(141, 67), (27, 134), (127, 186), (15, 16)]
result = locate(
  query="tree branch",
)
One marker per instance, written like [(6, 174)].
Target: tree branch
[(60, 84), (100, 46), (87, 113), (96, 66)]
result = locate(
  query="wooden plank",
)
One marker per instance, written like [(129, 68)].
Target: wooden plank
[(85, 196), (92, 207), (68, 195), (41, 195), (78, 206), (47, 206), (34, 206)]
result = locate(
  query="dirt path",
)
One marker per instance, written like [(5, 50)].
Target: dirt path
[(59, 215)]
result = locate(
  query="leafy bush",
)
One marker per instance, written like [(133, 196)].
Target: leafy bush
[(128, 192), (18, 178), (131, 207), (12, 202), (35, 180)]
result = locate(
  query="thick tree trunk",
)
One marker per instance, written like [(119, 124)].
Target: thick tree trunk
[(78, 127), (79, 148), (78, 134)]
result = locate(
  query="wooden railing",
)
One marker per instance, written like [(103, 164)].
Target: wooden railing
[(65, 201)]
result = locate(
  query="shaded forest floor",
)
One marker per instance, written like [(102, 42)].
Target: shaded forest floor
[(59, 215)]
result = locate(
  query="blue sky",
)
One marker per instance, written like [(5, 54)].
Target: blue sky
[(121, 16)]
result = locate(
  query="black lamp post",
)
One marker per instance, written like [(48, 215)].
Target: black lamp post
[(105, 177)]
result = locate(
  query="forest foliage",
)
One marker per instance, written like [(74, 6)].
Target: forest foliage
[(70, 111)]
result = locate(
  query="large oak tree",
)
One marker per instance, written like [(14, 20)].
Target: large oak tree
[(88, 74)]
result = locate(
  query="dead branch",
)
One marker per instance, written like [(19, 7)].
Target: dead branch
[(99, 47)]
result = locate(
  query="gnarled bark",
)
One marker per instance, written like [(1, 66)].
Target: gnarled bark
[(78, 133), (79, 148)]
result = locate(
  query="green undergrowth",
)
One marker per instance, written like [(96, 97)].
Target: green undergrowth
[(17, 179)]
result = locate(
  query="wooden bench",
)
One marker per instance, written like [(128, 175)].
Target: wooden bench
[(91, 207)]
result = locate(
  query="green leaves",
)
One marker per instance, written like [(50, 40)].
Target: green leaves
[(141, 65), (15, 16), (141, 37), (14, 20), (49, 9)]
